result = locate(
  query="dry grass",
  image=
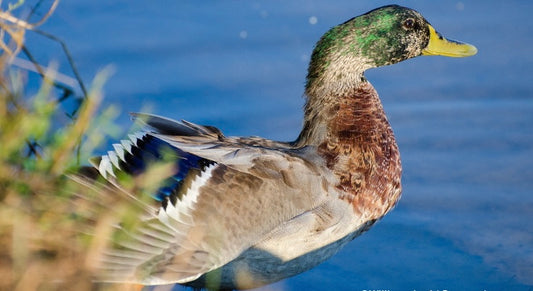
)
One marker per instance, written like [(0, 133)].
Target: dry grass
[(51, 228)]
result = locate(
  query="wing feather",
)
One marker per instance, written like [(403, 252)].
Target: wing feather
[(230, 206)]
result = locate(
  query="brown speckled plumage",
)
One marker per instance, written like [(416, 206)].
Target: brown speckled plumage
[(362, 152)]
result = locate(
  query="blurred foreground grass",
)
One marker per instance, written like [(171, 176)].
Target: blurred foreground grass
[(51, 229)]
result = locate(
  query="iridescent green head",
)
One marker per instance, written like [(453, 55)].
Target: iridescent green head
[(383, 36)]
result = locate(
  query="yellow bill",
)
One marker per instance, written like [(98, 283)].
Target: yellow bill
[(440, 46)]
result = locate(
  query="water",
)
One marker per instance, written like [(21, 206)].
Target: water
[(464, 126)]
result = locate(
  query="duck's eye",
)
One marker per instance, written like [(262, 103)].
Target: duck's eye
[(409, 24)]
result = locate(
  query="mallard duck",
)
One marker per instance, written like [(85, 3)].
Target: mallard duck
[(244, 212)]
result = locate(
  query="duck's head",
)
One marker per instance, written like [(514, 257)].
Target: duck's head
[(383, 36)]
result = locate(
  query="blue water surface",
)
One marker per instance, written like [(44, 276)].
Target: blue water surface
[(464, 126)]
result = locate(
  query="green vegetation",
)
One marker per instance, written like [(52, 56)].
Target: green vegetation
[(52, 229)]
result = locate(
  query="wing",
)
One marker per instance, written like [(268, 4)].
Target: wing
[(231, 197), (209, 142)]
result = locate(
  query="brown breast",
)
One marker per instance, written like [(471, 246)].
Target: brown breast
[(362, 152)]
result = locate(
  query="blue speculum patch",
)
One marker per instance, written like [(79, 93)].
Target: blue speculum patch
[(150, 150)]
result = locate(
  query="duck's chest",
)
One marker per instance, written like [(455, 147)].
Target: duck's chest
[(360, 152), (366, 172)]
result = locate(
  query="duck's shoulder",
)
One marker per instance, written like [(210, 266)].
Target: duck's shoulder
[(256, 141), (246, 154)]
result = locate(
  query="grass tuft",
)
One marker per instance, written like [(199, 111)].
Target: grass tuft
[(52, 229)]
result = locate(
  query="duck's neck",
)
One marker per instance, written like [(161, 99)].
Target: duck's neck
[(343, 115)]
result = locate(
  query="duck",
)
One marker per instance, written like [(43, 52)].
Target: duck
[(243, 212)]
